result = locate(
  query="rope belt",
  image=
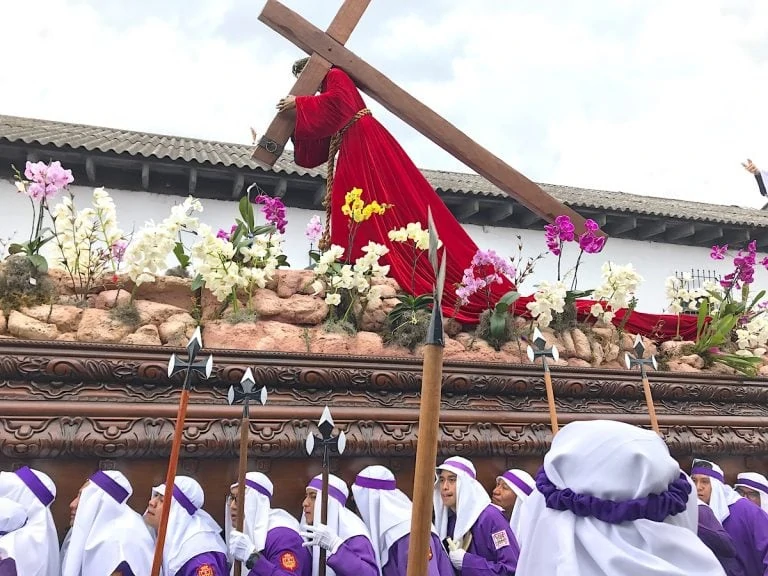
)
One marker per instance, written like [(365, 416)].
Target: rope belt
[(333, 148)]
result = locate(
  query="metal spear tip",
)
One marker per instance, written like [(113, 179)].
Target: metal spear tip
[(209, 366), (341, 443), (310, 444), (326, 423), (531, 353), (263, 396), (538, 339), (195, 344), (231, 395), (638, 347), (247, 381), (555, 354), (628, 361), (654, 363), (171, 365)]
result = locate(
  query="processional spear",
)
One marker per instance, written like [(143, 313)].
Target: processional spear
[(429, 420), (638, 360), (244, 393), (543, 352), (328, 443), (201, 369)]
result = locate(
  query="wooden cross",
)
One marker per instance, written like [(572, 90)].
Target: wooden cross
[(327, 49)]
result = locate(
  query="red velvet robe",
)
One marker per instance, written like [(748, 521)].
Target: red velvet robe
[(371, 159)]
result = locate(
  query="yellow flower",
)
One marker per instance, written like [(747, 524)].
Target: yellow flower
[(357, 210)]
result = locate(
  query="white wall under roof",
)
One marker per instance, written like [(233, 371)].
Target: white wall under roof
[(654, 261)]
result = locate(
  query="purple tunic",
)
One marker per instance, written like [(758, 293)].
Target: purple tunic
[(8, 567), (712, 533), (493, 550), (355, 557), (397, 564), (283, 555), (748, 526), (205, 564)]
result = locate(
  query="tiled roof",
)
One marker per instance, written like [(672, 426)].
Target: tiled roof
[(228, 155)]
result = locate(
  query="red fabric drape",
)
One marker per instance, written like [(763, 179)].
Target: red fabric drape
[(371, 159)]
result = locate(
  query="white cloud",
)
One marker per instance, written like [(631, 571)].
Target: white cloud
[(646, 96)]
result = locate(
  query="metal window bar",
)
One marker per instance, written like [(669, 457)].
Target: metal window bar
[(695, 280)]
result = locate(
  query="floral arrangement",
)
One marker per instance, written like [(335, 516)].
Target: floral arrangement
[(88, 243), (358, 212), (616, 291), (41, 183)]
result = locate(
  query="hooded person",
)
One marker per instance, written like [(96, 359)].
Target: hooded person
[(753, 487), (386, 511), (107, 535), (193, 545), (270, 544), (712, 533), (34, 491), (512, 489), (12, 517), (611, 500), (478, 536), (746, 523), (344, 536)]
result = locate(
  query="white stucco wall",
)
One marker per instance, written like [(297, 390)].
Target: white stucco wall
[(654, 261)]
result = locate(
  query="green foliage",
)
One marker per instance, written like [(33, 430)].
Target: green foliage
[(127, 314), (500, 317), (240, 316), (409, 330), (22, 284), (405, 311), (715, 333), (499, 337)]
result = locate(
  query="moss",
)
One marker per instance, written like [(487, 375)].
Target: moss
[(178, 272), (240, 316), (307, 337), (408, 334), (564, 320), (126, 314), (335, 326), (22, 285)]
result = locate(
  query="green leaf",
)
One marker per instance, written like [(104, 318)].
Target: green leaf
[(757, 299), (181, 256), (703, 313), (16, 248), (507, 300), (38, 262), (246, 211), (498, 325), (265, 229), (197, 283)]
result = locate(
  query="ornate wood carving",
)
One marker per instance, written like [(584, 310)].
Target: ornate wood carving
[(109, 401)]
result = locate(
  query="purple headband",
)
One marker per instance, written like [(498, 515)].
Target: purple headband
[(655, 507), (317, 484), (458, 465), (258, 487), (36, 485), (708, 472), (185, 502), (752, 484), (375, 483), (518, 482), (110, 486)]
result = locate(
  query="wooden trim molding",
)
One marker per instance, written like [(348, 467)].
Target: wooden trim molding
[(64, 399)]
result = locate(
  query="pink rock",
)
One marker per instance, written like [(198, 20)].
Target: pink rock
[(610, 352), (608, 333), (108, 299), (323, 342), (147, 335), (67, 337), (61, 280), (297, 309), (170, 290), (177, 330), (763, 370), (692, 360), (677, 366), (392, 287), (578, 363), (452, 327), (673, 347), (27, 328), (262, 335), (3, 323), (97, 326), (290, 282), (156, 312), (453, 348), (375, 315), (569, 348), (581, 345), (367, 344), (66, 318), (627, 341)]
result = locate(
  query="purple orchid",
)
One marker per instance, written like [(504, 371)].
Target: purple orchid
[(273, 210)]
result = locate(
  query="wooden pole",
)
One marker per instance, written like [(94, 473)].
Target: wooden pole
[(241, 472), (321, 569), (169, 480), (651, 406), (550, 398), (313, 40), (426, 459)]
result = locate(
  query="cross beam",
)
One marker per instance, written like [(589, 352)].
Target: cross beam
[(271, 145), (314, 41)]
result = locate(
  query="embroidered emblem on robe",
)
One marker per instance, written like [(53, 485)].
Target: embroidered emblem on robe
[(500, 539), (288, 561), (204, 570)]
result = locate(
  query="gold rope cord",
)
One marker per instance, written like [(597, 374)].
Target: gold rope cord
[(333, 148)]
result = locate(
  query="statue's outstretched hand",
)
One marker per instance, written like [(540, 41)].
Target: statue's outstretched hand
[(287, 103), (750, 167)]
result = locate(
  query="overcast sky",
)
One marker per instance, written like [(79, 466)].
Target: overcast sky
[(652, 97)]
